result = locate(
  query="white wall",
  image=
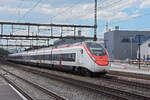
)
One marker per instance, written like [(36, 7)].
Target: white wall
[(145, 50)]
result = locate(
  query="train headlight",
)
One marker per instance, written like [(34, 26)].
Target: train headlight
[(108, 59), (93, 58)]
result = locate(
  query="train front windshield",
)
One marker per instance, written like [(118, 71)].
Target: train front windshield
[(96, 49)]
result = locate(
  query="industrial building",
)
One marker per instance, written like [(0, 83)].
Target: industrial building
[(123, 44)]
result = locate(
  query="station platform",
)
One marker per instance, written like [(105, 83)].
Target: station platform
[(129, 68), (7, 93)]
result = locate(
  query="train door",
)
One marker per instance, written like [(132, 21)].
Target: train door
[(43, 56), (51, 58), (79, 57), (36, 57)]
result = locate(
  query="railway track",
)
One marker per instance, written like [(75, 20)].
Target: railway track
[(28, 97), (126, 82), (131, 75), (137, 87), (51, 94), (111, 92)]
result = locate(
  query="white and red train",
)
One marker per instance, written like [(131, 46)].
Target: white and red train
[(85, 57)]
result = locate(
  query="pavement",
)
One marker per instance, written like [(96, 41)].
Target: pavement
[(124, 67), (7, 93)]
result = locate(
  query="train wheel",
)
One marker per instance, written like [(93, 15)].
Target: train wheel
[(84, 72), (52, 67), (87, 73), (74, 70)]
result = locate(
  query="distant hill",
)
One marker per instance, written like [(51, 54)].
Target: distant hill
[(3, 52)]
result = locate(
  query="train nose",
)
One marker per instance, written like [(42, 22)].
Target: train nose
[(102, 61)]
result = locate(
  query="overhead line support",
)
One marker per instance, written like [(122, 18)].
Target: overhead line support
[(1, 29), (54, 25), (43, 37), (95, 21)]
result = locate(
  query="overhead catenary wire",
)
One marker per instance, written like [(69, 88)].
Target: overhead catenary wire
[(27, 12), (113, 4), (132, 17), (89, 12), (103, 2), (127, 19), (69, 8), (109, 5), (19, 10)]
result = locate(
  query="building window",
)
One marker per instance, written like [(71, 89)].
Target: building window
[(144, 57), (133, 39), (148, 44), (124, 39), (147, 56)]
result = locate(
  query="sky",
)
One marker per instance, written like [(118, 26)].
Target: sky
[(127, 14)]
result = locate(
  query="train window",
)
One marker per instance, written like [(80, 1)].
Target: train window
[(35, 57), (54, 57), (31, 58), (46, 57), (73, 56), (50, 57), (81, 51), (63, 57), (68, 57), (43, 57), (96, 49)]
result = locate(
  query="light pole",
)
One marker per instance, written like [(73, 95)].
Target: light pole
[(105, 43), (95, 21), (139, 44), (131, 46)]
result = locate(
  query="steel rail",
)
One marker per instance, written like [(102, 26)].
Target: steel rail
[(116, 93), (131, 75), (57, 97), (126, 82), (16, 87), (120, 94)]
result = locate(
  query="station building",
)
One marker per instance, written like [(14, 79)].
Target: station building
[(123, 44)]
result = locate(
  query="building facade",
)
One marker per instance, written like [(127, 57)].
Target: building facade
[(123, 44), (145, 50)]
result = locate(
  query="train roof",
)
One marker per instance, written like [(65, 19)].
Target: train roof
[(70, 40), (47, 48)]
